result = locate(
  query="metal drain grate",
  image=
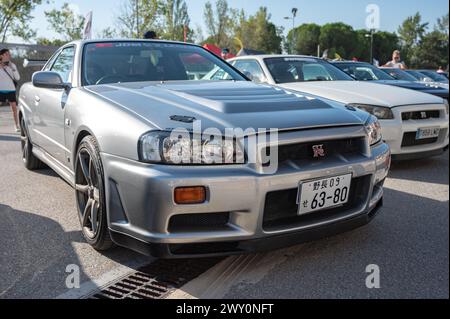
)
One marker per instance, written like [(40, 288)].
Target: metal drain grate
[(156, 280)]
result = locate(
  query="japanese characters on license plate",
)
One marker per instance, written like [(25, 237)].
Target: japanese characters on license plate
[(323, 193), (429, 132)]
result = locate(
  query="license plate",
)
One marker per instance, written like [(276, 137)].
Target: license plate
[(429, 132), (323, 193)]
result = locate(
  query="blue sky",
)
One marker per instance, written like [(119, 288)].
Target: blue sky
[(352, 12)]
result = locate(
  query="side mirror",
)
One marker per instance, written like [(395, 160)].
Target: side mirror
[(49, 80)]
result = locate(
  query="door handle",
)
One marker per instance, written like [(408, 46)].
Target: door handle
[(37, 99)]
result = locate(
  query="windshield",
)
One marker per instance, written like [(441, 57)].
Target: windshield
[(435, 76), (291, 69), (419, 76), (364, 72), (400, 75), (118, 62)]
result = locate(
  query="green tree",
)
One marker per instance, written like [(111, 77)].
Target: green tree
[(431, 52), (305, 38), (138, 16), (176, 19), (48, 42), (384, 43), (66, 22), (220, 23), (412, 30), (258, 33), (442, 26), (107, 33), (15, 17), (338, 38)]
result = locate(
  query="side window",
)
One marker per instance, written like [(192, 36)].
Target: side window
[(314, 72), (50, 62), (64, 64), (251, 67)]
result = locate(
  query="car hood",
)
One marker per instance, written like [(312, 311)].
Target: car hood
[(364, 93), (224, 104), (411, 85)]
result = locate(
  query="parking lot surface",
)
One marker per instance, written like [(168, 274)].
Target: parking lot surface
[(409, 242)]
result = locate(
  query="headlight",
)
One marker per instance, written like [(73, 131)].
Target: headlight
[(446, 105), (185, 149), (382, 113), (373, 129)]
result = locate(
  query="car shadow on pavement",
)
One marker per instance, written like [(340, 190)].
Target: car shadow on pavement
[(429, 170), (35, 252), (27, 255), (409, 241)]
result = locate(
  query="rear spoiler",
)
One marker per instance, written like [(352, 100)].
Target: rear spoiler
[(28, 63)]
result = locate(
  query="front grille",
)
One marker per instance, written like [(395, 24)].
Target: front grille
[(304, 151), (421, 115), (281, 208), (198, 222), (409, 139)]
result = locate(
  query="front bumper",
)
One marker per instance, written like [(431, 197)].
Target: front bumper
[(140, 202), (395, 133)]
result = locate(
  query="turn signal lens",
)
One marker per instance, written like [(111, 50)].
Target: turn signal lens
[(190, 195)]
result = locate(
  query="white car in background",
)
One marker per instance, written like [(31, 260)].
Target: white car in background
[(414, 124)]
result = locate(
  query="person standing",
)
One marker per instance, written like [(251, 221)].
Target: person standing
[(9, 76), (396, 62), (225, 53), (440, 70)]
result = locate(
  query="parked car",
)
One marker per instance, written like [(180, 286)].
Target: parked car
[(437, 77), (119, 121), (420, 76), (363, 71), (414, 124), (411, 76)]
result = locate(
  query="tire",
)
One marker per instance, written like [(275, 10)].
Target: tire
[(30, 161), (90, 195)]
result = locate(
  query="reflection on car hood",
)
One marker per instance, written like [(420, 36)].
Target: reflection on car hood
[(225, 104), (364, 93), (411, 85)]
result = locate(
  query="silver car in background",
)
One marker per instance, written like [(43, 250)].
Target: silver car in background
[(119, 120)]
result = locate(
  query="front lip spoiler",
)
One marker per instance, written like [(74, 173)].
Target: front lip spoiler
[(245, 246)]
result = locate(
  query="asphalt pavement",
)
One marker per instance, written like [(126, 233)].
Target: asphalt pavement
[(409, 242)]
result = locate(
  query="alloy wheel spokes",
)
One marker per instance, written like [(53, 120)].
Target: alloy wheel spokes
[(96, 195), (94, 214), (25, 152), (24, 142), (88, 193), (87, 212), (85, 167), (82, 188)]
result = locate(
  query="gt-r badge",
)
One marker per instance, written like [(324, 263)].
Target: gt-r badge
[(318, 151)]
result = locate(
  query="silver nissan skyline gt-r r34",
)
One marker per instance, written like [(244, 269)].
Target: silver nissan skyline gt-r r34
[(171, 162)]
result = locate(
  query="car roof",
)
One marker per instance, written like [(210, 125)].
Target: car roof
[(268, 56), (84, 42), (347, 62)]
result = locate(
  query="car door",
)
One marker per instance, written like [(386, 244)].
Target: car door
[(50, 104), (252, 69)]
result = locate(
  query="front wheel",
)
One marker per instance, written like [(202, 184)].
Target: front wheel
[(30, 161), (90, 195)]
